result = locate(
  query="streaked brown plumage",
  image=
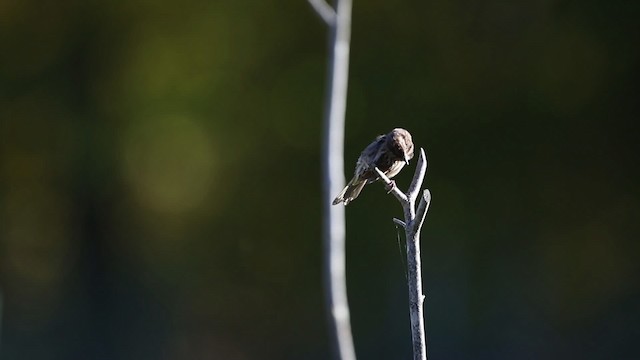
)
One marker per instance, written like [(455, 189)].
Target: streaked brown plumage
[(389, 153)]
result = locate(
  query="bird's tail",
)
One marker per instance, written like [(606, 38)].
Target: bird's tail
[(351, 191)]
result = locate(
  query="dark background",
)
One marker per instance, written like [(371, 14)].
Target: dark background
[(160, 178)]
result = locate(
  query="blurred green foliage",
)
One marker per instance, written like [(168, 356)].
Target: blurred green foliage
[(159, 163)]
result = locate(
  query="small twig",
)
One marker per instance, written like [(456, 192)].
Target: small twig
[(421, 170), (324, 10), (400, 222), (412, 226), (423, 207), (391, 187)]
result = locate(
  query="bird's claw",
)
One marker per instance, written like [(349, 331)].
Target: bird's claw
[(390, 186)]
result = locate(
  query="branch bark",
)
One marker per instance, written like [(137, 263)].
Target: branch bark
[(334, 273), (412, 225), (324, 10)]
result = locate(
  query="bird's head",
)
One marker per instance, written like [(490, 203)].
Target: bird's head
[(400, 142)]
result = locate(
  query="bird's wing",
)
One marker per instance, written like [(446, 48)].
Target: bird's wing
[(369, 155)]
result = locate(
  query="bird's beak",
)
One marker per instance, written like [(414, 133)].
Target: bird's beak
[(406, 159)]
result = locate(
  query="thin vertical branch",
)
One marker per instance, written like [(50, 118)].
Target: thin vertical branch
[(335, 284), (324, 10), (412, 225), (416, 296)]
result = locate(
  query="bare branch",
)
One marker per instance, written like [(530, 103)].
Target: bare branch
[(418, 178), (423, 207), (392, 188), (416, 297), (400, 222), (325, 11), (412, 225), (334, 270)]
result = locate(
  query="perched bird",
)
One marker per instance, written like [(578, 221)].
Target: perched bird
[(389, 153)]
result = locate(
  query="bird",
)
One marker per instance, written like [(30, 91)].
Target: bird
[(389, 153)]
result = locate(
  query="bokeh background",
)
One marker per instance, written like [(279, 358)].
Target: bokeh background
[(160, 178)]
